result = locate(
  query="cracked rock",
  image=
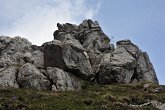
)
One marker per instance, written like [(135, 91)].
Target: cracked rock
[(63, 80), (30, 77)]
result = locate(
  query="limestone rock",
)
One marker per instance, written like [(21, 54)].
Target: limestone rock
[(112, 74), (95, 60), (27, 57), (63, 80), (13, 50), (4, 42), (123, 59), (37, 59), (53, 54), (8, 77), (30, 77), (127, 46), (16, 44), (95, 41), (13, 59), (126, 64), (68, 56), (145, 68), (158, 105)]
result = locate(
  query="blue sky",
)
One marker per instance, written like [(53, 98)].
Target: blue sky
[(141, 21)]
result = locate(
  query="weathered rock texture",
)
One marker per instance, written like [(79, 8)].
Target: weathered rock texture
[(78, 53)]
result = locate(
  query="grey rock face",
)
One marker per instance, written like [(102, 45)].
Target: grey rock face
[(8, 77), (19, 44), (77, 53), (53, 55), (11, 59), (114, 74), (63, 80), (13, 50), (68, 56), (90, 36), (4, 42), (30, 77), (145, 68), (37, 59), (126, 64)]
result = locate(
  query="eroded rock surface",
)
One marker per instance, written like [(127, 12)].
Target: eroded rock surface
[(68, 56), (78, 53), (8, 77), (30, 77), (62, 80), (126, 65)]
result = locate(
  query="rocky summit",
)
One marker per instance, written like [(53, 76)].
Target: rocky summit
[(78, 53)]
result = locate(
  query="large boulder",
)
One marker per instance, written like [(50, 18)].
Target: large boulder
[(68, 56), (128, 46), (96, 41), (18, 44), (8, 77), (145, 68), (62, 80), (64, 29), (4, 42), (37, 59), (126, 64), (114, 74), (123, 55), (53, 54), (30, 77), (12, 51), (95, 61)]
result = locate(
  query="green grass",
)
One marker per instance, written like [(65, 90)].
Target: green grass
[(92, 97)]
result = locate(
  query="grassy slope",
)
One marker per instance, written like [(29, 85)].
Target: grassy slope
[(92, 97)]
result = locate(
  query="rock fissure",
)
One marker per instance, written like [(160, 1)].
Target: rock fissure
[(16, 78), (135, 76)]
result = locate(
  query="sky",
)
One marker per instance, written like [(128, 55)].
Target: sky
[(141, 21)]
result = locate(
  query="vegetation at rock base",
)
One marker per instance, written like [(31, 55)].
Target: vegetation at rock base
[(91, 97)]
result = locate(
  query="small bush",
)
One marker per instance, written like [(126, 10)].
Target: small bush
[(137, 100), (150, 96), (13, 103), (88, 101), (109, 97)]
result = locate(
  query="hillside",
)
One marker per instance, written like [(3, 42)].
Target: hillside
[(91, 97)]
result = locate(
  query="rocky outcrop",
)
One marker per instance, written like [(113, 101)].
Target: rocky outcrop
[(78, 53)]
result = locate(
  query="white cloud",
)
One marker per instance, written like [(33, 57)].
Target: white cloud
[(36, 19)]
